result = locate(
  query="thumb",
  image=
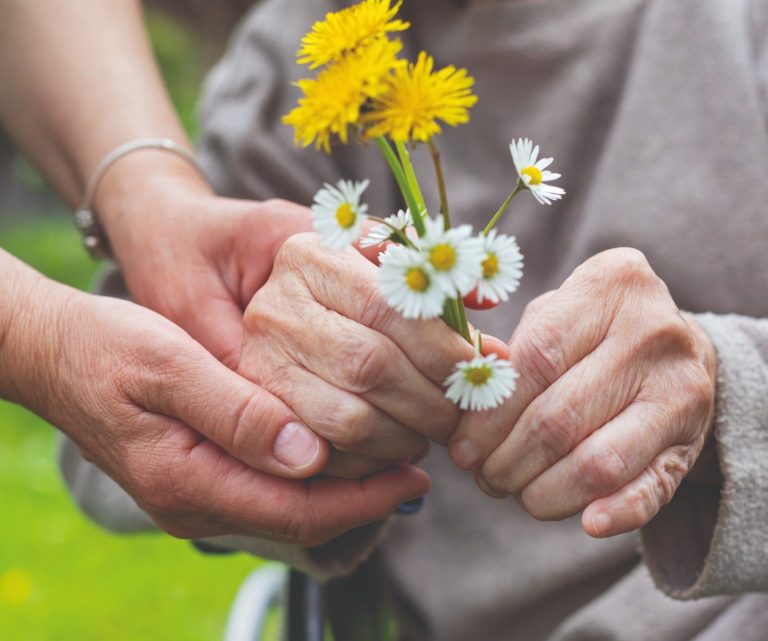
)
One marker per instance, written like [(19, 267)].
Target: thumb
[(242, 418)]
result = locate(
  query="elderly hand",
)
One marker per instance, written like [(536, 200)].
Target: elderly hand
[(320, 337), (200, 448), (614, 402)]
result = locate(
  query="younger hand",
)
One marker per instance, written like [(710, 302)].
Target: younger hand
[(200, 449), (614, 401)]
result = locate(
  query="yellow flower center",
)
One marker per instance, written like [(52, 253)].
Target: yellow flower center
[(345, 215), (417, 279), (442, 257), (534, 173), (490, 266), (478, 376)]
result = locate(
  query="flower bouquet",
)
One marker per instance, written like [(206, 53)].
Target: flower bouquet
[(364, 91)]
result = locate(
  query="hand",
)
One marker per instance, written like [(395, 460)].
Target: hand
[(192, 256), (195, 444), (320, 337), (614, 402)]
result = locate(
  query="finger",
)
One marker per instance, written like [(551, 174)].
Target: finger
[(346, 465), (348, 421), (493, 345), (431, 345), (606, 461), (637, 502), (551, 338), (586, 397), (363, 362), (244, 419), (305, 512), (219, 329)]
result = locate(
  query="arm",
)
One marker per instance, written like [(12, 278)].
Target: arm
[(78, 79)]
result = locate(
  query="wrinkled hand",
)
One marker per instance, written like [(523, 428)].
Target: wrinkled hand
[(613, 406), (320, 337), (194, 443)]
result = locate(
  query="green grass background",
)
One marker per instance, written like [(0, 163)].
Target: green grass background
[(61, 577)]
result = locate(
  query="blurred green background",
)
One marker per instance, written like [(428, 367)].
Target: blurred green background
[(61, 577)]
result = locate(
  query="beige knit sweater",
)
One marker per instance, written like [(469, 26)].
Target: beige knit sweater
[(656, 112)]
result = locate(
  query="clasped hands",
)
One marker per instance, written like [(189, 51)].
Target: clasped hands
[(613, 407)]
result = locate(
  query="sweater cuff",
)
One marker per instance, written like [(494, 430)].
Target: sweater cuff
[(710, 540)]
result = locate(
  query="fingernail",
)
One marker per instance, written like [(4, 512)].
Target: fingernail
[(601, 522), (465, 454), (296, 446), (411, 507)]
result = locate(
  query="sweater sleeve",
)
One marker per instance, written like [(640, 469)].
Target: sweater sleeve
[(106, 503), (709, 540)]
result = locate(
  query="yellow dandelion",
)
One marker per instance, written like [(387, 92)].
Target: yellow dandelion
[(345, 31), (332, 102), (417, 97)]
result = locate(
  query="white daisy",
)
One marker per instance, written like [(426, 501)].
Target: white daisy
[(382, 233), (534, 173), (454, 255), (408, 284), (338, 214), (481, 383), (502, 268)]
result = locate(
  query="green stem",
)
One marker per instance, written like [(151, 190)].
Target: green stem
[(440, 183), (463, 325), (449, 315), (518, 188), (402, 181), (410, 174)]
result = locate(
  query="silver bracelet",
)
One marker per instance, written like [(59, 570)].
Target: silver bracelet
[(86, 221)]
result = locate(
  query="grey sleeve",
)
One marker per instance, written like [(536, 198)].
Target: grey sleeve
[(109, 505), (715, 540)]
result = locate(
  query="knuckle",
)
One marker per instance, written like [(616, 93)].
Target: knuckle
[(623, 267), (626, 262), (660, 482), (373, 310), (345, 424), (557, 431), (364, 364), (541, 355), (492, 480), (670, 336), (294, 251), (665, 476), (643, 503), (259, 315), (538, 509), (602, 470)]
